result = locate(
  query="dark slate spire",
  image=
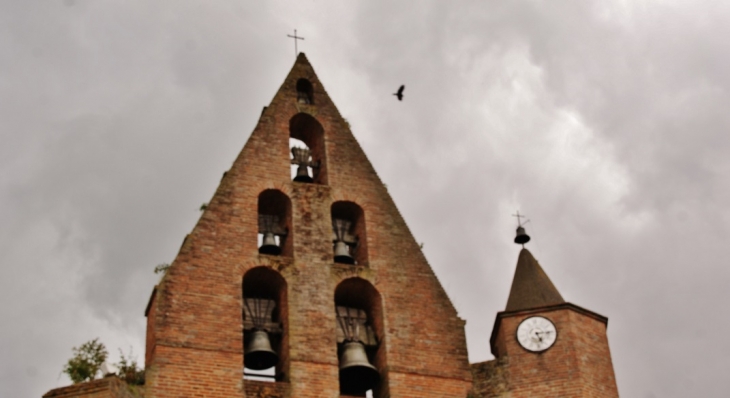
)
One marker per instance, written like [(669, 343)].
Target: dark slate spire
[(531, 287)]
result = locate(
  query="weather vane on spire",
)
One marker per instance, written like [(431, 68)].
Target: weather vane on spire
[(522, 237), (295, 37)]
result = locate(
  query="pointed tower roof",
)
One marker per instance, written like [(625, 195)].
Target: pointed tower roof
[(531, 287)]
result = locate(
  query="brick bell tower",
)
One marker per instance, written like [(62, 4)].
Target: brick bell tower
[(316, 277), (543, 345)]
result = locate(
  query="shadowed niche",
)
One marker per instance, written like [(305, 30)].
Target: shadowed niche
[(265, 316), (305, 93), (359, 338), (310, 160), (348, 233), (274, 218)]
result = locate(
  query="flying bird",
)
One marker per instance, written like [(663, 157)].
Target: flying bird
[(399, 94)]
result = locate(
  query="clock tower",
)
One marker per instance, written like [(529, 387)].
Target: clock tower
[(545, 346)]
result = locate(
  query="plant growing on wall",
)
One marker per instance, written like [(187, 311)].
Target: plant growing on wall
[(129, 371), (86, 362)]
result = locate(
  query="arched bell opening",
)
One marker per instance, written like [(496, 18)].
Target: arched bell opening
[(349, 244), (360, 348), (274, 218), (309, 159), (305, 93), (265, 314)]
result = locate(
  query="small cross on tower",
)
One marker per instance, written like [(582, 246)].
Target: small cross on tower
[(519, 218), (295, 37)]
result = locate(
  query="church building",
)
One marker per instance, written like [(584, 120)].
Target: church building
[(310, 285)]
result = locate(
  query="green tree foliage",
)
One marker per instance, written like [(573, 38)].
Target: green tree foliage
[(86, 362), (129, 370)]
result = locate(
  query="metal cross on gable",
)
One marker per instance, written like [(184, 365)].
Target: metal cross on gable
[(295, 37)]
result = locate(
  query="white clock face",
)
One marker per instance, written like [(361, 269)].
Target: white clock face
[(536, 334)]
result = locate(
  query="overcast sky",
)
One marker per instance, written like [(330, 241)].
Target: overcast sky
[(606, 122)]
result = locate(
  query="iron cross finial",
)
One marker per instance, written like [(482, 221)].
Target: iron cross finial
[(295, 37), (519, 218)]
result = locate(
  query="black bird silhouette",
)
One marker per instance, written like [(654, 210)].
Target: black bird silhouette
[(399, 94)]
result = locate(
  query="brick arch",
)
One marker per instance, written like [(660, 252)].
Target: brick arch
[(353, 212), (282, 265), (356, 292), (274, 202), (346, 195), (345, 272), (257, 186), (261, 186), (263, 282), (308, 129), (359, 292), (305, 91), (270, 280)]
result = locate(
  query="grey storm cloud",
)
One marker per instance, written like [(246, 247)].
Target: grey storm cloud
[(605, 122)]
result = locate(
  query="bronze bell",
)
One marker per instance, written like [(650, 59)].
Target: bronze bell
[(357, 375), (258, 354), (522, 237), (342, 253), (303, 174), (269, 246)]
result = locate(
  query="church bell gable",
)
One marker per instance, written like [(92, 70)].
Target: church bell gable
[(309, 220)]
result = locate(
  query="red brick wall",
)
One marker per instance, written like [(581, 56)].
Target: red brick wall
[(577, 365), (108, 387), (196, 320), (490, 378), (412, 385), (186, 372), (256, 388)]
